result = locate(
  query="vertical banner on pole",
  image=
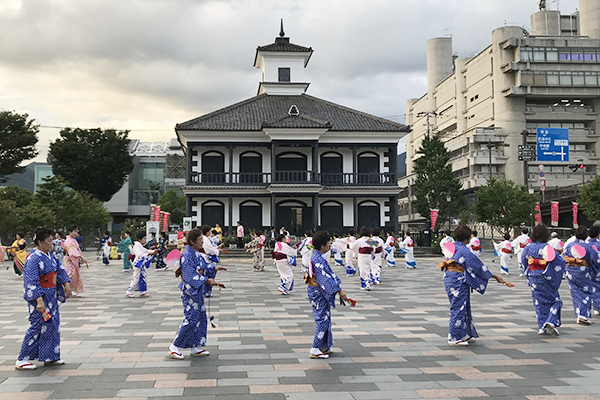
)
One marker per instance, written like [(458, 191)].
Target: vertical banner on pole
[(434, 216), (166, 219), (156, 213), (554, 213), (575, 209), (538, 214), (152, 209)]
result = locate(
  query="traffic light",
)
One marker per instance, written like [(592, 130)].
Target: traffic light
[(576, 167)]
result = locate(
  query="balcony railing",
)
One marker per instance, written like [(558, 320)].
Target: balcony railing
[(289, 177)]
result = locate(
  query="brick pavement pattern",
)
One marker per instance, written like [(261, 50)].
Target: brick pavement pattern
[(392, 345)]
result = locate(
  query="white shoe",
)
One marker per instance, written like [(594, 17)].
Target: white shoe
[(316, 353), (583, 321), (25, 365), (458, 343), (521, 275), (175, 352), (368, 288), (551, 329), (128, 295), (542, 331)]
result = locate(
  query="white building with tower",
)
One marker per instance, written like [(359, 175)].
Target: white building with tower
[(483, 107), (285, 158)]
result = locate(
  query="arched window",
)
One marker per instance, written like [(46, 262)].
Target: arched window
[(332, 216), (332, 168), (213, 212), (251, 215), (291, 166), (213, 167), (368, 167), (369, 214)]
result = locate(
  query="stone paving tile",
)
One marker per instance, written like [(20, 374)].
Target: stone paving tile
[(391, 346)]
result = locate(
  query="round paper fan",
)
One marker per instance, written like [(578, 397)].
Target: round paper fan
[(172, 257), (548, 253), (578, 251), (449, 249)]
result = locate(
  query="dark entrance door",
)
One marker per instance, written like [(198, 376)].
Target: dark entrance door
[(368, 215), (295, 217), (332, 217), (368, 168), (213, 212), (331, 168), (251, 215)]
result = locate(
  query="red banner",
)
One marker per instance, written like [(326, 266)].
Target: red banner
[(156, 214), (575, 209), (166, 218), (152, 209), (538, 214), (434, 216), (554, 213)]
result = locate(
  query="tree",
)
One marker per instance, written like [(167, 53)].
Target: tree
[(504, 204), (18, 137), (172, 203), (71, 207), (435, 183), (21, 212), (93, 161), (589, 199)]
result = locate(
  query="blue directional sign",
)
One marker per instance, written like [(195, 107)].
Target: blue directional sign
[(553, 144)]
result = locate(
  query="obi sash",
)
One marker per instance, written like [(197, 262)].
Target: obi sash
[(365, 250), (536, 263), (48, 280), (379, 250), (476, 248), (576, 262), (522, 245), (451, 265), (410, 244), (279, 256), (508, 251)]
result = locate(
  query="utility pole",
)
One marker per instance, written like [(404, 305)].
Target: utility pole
[(525, 164), (427, 114)]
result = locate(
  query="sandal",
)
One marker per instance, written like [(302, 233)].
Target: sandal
[(26, 366), (320, 355), (176, 355), (200, 353), (55, 362)]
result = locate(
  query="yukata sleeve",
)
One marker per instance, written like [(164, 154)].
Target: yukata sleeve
[(189, 272), (555, 270), (31, 279), (288, 251), (61, 273), (594, 263), (325, 280)]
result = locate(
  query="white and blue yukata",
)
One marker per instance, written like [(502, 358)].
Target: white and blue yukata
[(143, 258), (390, 246), (407, 246), (44, 277), (581, 277), (596, 281), (338, 247), (364, 249), (378, 245), (305, 248), (105, 245), (210, 254), (192, 332), (282, 254), (544, 279), (458, 287), (322, 298)]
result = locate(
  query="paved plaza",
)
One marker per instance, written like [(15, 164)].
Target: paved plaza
[(392, 345)]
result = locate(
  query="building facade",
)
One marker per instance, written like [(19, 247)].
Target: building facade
[(284, 158), (484, 107)]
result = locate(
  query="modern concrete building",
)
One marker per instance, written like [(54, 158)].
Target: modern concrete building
[(284, 158), (484, 107)]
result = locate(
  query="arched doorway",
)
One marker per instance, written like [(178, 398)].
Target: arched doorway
[(368, 167), (332, 216), (251, 167), (369, 214), (251, 215), (295, 215), (291, 166), (213, 212), (332, 168), (213, 167)]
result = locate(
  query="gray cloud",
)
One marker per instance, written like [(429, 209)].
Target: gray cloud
[(150, 64)]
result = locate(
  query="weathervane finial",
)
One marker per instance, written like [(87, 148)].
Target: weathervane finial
[(281, 32)]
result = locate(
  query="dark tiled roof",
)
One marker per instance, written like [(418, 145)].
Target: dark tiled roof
[(283, 44), (259, 111), (297, 121)]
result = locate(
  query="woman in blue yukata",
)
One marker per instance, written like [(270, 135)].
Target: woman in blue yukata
[(322, 287), (463, 271), (193, 270), (46, 283), (544, 270), (583, 266)]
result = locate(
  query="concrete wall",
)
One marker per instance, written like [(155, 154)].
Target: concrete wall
[(589, 18)]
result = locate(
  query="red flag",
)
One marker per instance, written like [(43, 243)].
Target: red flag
[(575, 209), (152, 209), (166, 218), (538, 214), (554, 213), (434, 216), (157, 213)]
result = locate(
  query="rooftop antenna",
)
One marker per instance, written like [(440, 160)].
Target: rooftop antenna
[(541, 4), (281, 32)]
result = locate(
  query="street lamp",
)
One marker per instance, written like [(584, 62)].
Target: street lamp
[(489, 146), (449, 199)]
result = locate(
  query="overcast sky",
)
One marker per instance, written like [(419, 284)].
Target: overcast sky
[(146, 65)]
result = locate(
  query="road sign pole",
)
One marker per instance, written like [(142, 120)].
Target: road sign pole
[(525, 164)]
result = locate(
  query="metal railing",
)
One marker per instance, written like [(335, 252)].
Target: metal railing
[(283, 177)]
